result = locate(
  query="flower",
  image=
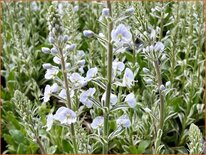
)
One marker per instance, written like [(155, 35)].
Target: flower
[(162, 87), (63, 94), (51, 72), (149, 81), (128, 78), (145, 70), (105, 11), (97, 122), (54, 51), (51, 40), (47, 66), (168, 83), (65, 116), (77, 80), (118, 67), (88, 33), (121, 34), (76, 8), (130, 10), (84, 97), (91, 73), (81, 62), (123, 121), (159, 47), (113, 98), (131, 100), (70, 47), (49, 90), (45, 50), (50, 120)]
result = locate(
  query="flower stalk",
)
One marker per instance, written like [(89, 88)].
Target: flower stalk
[(63, 66), (109, 78), (159, 78)]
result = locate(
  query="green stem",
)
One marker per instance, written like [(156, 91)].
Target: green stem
[(109, 78), (68, 99), (40, 145), (159, 78)]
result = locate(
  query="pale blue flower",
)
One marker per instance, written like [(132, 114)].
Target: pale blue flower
[(50, 120), (51, 72), (128, 78), (118, 67), (49, 90), (34, 6), (130, 100), (63, 94), (130, 10), (54, 51), (123, 121), (76, 8), (65, 116), (45, 49), (84, 97), (81, 69), (88, 33), (70, 47), (162, 87), (121, 34), (168, 83), (91, 73), (159, 47), (65, 38), (77, 80), (105, 11), (47, 66), (81, 62), (51, 40), (80, 53), (145, 70), (149, 81), (60, 39), (97, 122), (113, 98), (57, 60), (47, 93)]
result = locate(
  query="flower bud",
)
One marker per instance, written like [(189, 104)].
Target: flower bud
[(66, 38), (162, 87), (51, 40), (81, 62), (76, 8), (47, 66), (88, 33), (149, 81), (45, 50), (54, 50), (105, 11), (60, 39), (168, 83), (145, 70), (130, 10)]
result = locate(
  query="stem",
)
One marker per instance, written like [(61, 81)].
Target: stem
[(109, 78), (68, 98), (40, 145), (159, 78)]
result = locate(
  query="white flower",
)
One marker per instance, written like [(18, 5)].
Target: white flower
[(65, 116), (84, 97), (50, 120), (77, 80), (159, 47), (168, 83), (63, 94), (118, 67), (91, 73), (128, 78), (113, 98), (131, 100), (51, 72), (49, 90), (97, 122), (121, 34), (123, 121)]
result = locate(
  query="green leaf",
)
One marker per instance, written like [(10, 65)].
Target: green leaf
[(67, 147), (21, 149), (142, 146)]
